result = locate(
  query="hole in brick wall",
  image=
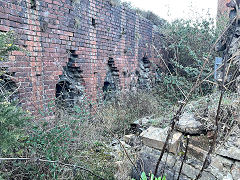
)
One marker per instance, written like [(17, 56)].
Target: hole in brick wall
[(43, 24), (144, 75), (106, 86), (124, 74), (33, 4), (3, 30), (123, 31), (111, 82), (72, 58), (62, 93), (70, 89), (137, 72), (93, 22), (8, 88)]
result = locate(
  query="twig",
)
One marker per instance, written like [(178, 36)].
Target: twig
[(210, 82), (48, 161), (211, 149), (184, 158), (227, 136), (176, 117), (124, 149)]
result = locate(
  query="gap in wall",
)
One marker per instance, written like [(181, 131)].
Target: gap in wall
[(112, 81), (33, 4), (93, 22)]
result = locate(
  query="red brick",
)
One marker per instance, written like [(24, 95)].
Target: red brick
[(18, 53), (4, 28), (49, 49)]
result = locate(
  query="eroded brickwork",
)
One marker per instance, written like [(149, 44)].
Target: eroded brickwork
[(81, 35), (222, 8)]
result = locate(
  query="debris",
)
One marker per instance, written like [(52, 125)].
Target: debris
[(155, 138), (231, 147), (187, 124)]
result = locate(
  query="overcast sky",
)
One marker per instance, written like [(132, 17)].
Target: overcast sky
[(172, 9)]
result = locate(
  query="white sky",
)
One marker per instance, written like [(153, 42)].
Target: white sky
[(172, 9)]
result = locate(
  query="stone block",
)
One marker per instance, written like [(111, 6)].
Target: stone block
[(197, 152), (188, 124), (200, 142), (128, 137), (155, 138)]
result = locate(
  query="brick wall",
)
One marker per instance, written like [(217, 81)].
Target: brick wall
[(222, 8), (78, 34)]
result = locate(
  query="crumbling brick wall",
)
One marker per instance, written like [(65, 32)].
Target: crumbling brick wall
[(222, 8), (80, 35)]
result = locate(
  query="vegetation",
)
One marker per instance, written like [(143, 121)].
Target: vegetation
[(7, 44), (187, 44), (144, 177), (76, 146), (127, 108), (155, 19), (61, 140)]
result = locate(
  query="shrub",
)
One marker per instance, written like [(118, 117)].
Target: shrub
[(12, 123), (144, 177), (7, 44), (12, 119), (188, 43)]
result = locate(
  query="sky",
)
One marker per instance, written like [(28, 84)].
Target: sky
[(173, 9)]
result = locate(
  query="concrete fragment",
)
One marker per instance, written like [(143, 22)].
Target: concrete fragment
[(128, 137), (231, 148), (200, 142), (235, 171), (228, 177), (188, 124), (220, 166), (155, 138), (221, 163), (141, 124)]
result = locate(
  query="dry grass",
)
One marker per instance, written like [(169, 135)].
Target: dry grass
[(127, 108)]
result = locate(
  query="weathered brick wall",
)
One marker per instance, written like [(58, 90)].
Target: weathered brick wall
[(222, 8), (82, 35)]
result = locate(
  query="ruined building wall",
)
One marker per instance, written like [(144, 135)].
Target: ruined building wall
[(222, 8), (86, 46)]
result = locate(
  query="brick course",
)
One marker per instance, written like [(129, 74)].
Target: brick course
[(93, 29)]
